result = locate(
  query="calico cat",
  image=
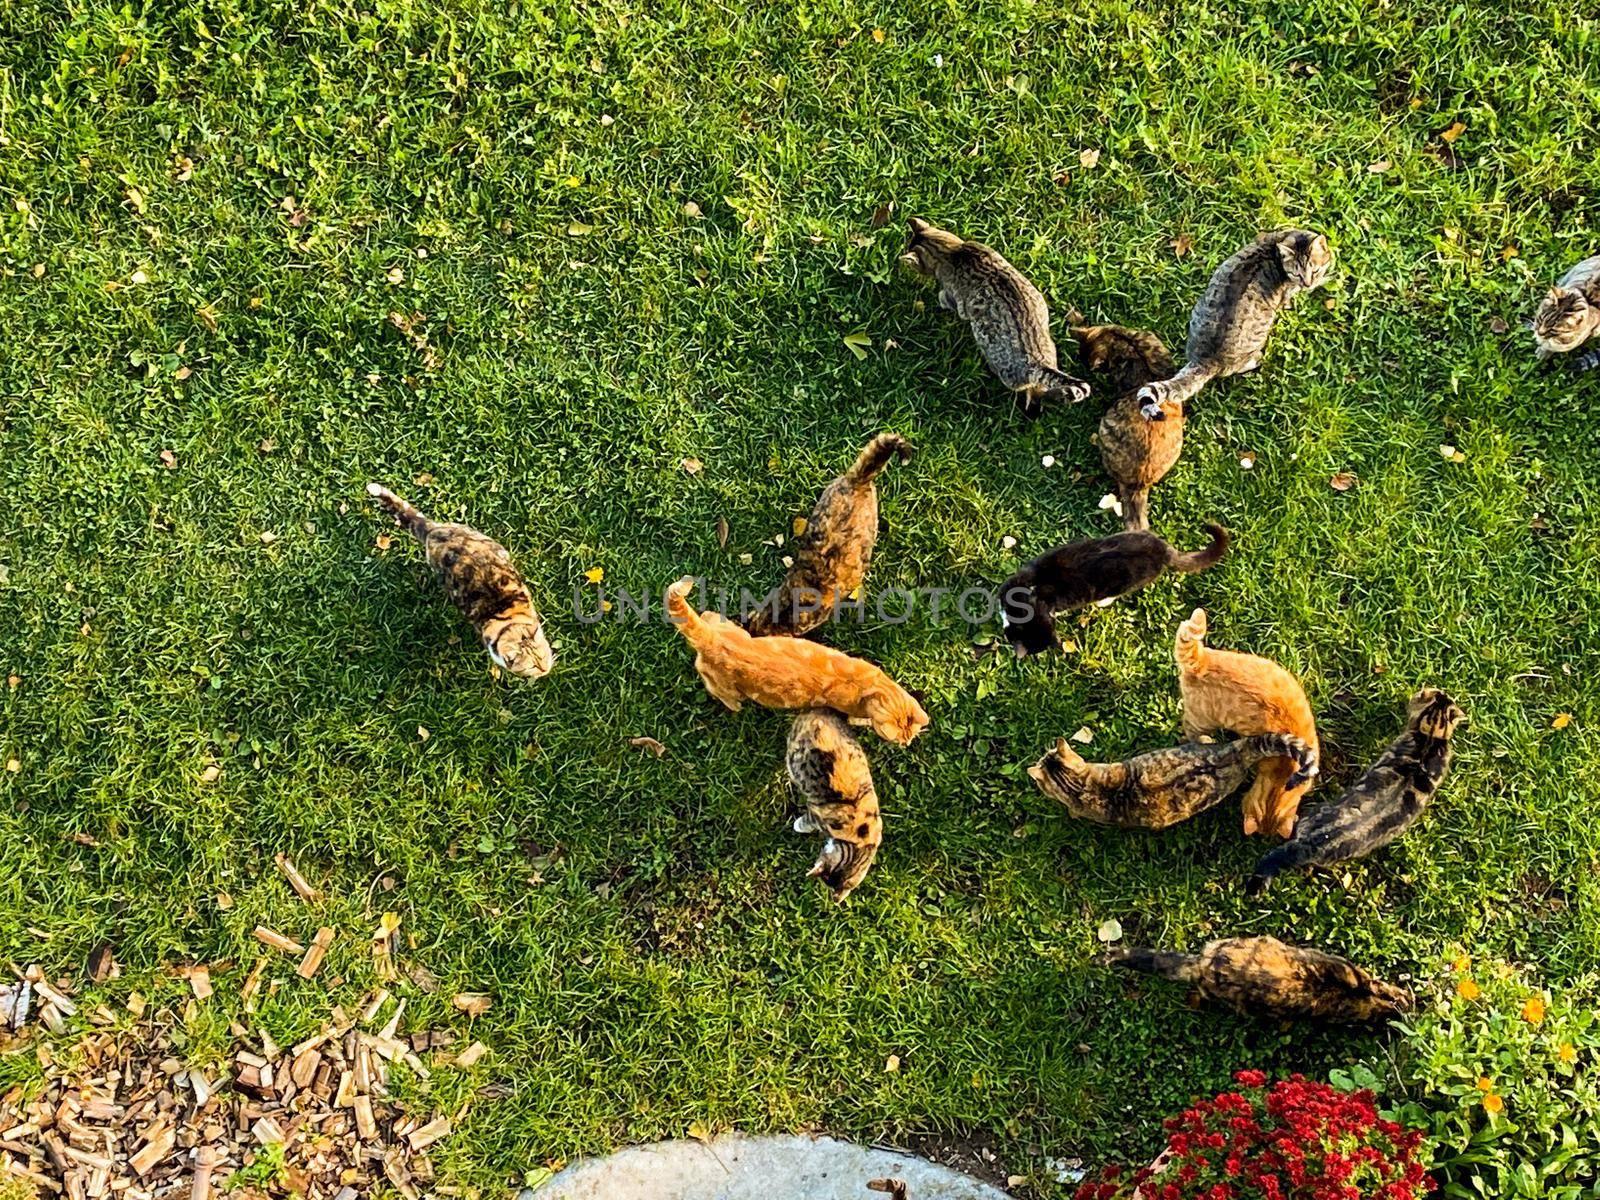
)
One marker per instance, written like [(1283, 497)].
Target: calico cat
[(829, 768), (1009, 318), (1086, 572), (895, 1187), (478, 577), (1162, 787), (1382, 804), (786, 672), (1262, 977), (1228, 328), (1569, 315), (1136, 452), (831, 556), (1243, 694)]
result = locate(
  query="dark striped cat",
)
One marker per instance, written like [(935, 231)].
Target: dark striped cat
[(478, 577), (832, 555), (1087, 572), (1162, 787), (1262, 977), (1569, 315), (1379, 806), (830, 769), (1009, 317), (1228, 328)]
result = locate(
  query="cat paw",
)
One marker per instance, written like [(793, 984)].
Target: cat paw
[(1075, 391), (1150, 404)]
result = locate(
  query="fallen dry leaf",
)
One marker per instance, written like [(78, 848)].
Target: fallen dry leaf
[(422, 733), (1455, 131), (648, 743), (1507, 253), (579, 229), (424, 479), (722, 533), (182, 373), (38, 270), (14, 765), (1181, 245), (691, 209), (693, 466), (138, 277), (1379, 166), (1562, 720), (699, 1131), (383, 541), (99, 964), (169, 460), (1110, 930), (799, 526), (1450, 453), (1008, 542), (881, 215), (1084, 736), (892, 1063), (211, 774), (474, 1004), (1498, 325), (268, 537), (1342, 482), (1088, 158)]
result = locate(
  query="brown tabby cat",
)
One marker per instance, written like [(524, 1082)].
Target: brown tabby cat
[(1382, 804), (1262, 977), (1009, 317), (1136, 452), (1569, 315), (1162, 787), (786, 672), (1087, 572), (1243, 694), (831, 556), (1228, 328), (831, 771), (478, 577)]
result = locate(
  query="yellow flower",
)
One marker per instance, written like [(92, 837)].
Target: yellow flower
[(1462, 965), (1567, 1052), (1485, 1084), (1533, 1010), (595, 574), (1468, 990), (1493, 1103)]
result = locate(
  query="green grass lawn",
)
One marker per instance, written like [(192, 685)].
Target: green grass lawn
[(226, 200)]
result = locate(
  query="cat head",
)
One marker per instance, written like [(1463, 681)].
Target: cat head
[(896, 715), (1371, 998), (1059, 769), (1433, 714), (522, 648), (1029, 628), (1564, 319), (927, 246), (843, 865), (1306, 257)]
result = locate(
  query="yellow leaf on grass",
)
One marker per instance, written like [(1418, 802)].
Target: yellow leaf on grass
[(579, 229), (799, 526), (700, 1131), (1562, 720), (1455, 131), (692, 466)]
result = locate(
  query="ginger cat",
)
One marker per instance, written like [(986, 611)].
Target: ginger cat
[(1262, 977), (786, 672), (1243, 694), (1382, 804), (478, 577), (829, 768), (832, 555)]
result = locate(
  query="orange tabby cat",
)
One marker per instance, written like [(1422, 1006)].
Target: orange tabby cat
[(1246, 695), (786, 672)]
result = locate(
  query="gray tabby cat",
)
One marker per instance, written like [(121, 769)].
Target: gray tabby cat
[(1009, 318), (1569, 315), (1228, 328)]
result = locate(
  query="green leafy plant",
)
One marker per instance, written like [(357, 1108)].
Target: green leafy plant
[(1502, 1074)]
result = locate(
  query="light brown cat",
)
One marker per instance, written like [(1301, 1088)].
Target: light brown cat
[(1243, 694), (786, 672)]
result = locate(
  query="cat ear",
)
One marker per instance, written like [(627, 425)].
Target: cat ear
[(917, 226), (910, 260)]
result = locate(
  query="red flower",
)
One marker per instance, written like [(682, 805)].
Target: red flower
[(1250, 1079)]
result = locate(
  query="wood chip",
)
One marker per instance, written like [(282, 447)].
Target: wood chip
[(277, 941), (471, 1055), (366, 1123), (430, 1133), (474, 1004), (296, 880), (312, 962), (158, 1144), (200, 982), (268, 1132)]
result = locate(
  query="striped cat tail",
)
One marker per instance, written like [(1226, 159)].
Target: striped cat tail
[(1180, 388), (1199, 560), (1189, 647), (1168, 964), (407, 514), (682, 613), (876, 456), (1285, 745)]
